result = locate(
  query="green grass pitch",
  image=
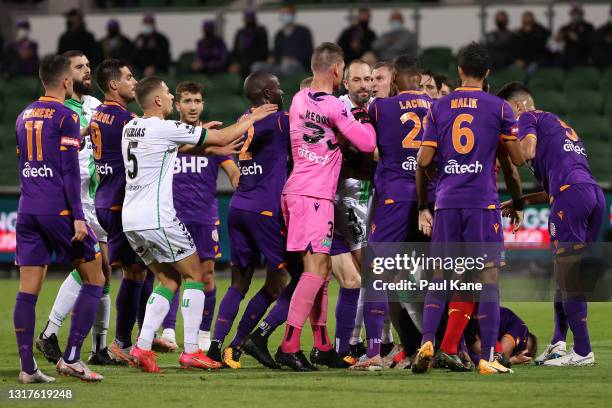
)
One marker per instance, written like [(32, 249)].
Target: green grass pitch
[(253, 385)]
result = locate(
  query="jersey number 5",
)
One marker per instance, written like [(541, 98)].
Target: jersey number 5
[(409, 142), (32, 126), (131, 157), (463, 137)]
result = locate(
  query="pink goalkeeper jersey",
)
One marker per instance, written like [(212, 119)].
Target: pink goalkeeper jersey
[(314, 118)]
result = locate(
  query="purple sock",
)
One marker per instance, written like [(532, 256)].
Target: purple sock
[(83, 317), (24, 319), (210, 301), (127, 310), (374, 314), (278, 313), (253, 313), (434, 307), (346, 310), (170, 319), (145, 293), (488, 319), (576, 312), (228, 308), (560, 319)]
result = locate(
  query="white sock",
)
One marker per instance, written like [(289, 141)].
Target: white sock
[(100, 327), (64, 302), (169, 334), (192, 307), (356, 335), (387, 334), (158, 306)]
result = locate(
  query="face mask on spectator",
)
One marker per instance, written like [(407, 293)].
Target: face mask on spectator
[(147, 29), (501, 24), (576, 17), (396, 25), (286, 18), (22, 34)]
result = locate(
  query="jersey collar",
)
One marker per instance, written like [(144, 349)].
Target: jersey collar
[(468, 88), (412, 92), (49, 99), (110, 102)]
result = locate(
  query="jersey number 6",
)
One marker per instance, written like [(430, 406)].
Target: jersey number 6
[(463, 137)]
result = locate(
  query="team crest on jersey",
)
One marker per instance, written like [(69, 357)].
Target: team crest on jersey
[(75, 117), (496, 227), (561, 214), (316, 206), (215, 235)]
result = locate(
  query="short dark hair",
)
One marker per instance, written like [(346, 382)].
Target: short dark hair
[(384, 64), (407, 65), (445, 80), (512, 89), (531, 352), (354, 62), (145, 86), (109, 70), (326, 55), (73, 53), (189, 87), (51, 69), (473, 59)]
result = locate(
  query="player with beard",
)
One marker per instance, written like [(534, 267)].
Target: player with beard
[(83, 104)]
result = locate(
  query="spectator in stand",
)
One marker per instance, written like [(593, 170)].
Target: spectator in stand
[(531, 39), (399, 40), (250, 45), (292, 47), (601, 52), (357, 39), (575, 38), (152, 53), (21, 56), (500, 42), (211, 52), (116, 45), (76, 37)]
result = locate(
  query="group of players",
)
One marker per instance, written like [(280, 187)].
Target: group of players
[(102, 188)]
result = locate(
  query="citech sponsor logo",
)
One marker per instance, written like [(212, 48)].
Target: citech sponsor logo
[(35, 172), (250, 170), (104, 170), (309, 155), (190, 164), (410, 164), (452, 167), (569, 146)]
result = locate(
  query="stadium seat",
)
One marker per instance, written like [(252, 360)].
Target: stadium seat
[(547, 79), (226, 109), (154, 3), (25, 86), (13, 106), (582, 78), (608, 106), (183, 64), (501, 77), (224, 84), (291, 84), (590, 102), (591, 127), (437, 58), (551, 101), (192, 76)]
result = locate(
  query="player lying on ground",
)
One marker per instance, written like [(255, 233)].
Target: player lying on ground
[(194, 188), (150, 145), (50, 220), (558, 160)]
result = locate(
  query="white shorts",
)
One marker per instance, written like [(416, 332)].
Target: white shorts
[(164, 245), (92, 220), (352, 207)]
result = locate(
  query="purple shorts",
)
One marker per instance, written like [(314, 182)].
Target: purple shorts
[(469, 225), (252, 234), (120, 251), (338, 246), (574, 222), (39, 236), (396, 222), (206, 238)]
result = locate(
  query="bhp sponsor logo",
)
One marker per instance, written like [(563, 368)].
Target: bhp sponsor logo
[(452, 167), (190, 164)]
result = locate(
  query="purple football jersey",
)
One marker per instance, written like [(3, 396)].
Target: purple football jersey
[(263, 166), (399, 123), (561, 159), (510, 325), (465, 127), (48, 141), (106, 128), (194, 188)]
